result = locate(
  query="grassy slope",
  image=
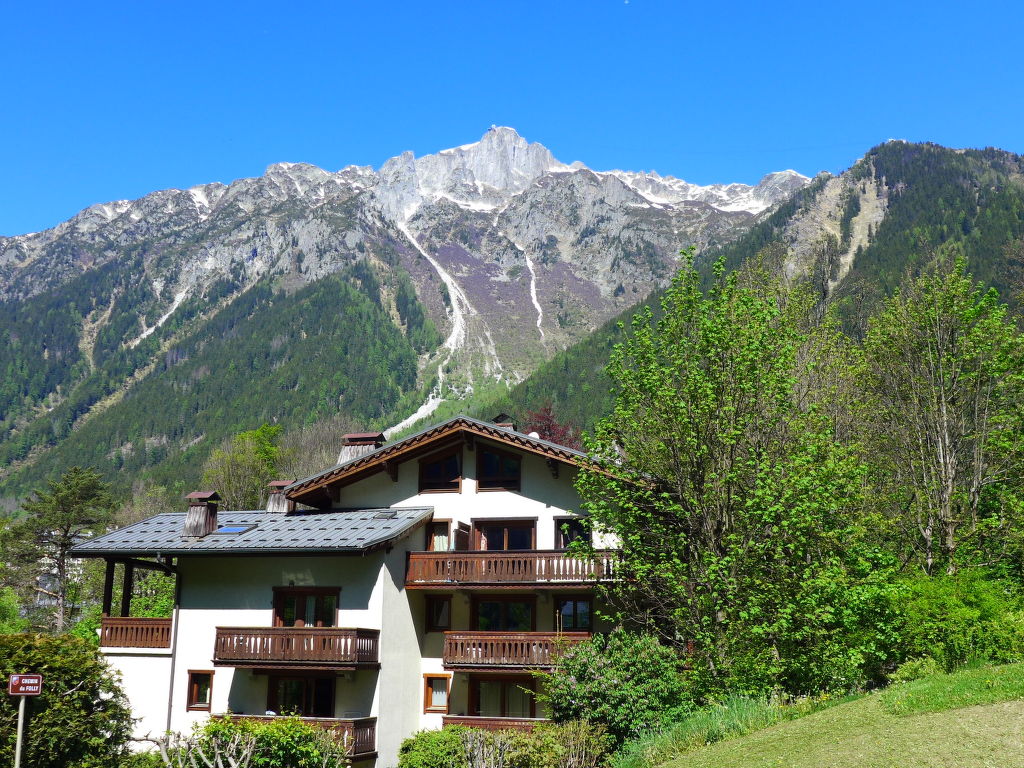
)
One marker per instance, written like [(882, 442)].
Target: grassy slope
[(895, 729)]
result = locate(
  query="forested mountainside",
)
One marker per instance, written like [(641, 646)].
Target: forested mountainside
[(139, 334), (857, 236)]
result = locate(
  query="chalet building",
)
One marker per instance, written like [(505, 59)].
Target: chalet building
[(412, 585)]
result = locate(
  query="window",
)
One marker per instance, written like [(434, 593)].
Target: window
[(437, 536), (439, 613), (304, 696), (200, 686), (573, 614), (568, 530), (502, 535), (497, 470), (441, 473), (305, 606), (435, 693), (505, 696), (504, 614)]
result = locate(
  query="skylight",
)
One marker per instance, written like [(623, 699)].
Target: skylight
[(234, 528)]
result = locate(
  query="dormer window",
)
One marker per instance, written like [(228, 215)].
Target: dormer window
[(497, 470), (441, 473)]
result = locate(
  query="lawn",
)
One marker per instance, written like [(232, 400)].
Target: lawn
[(971, 719)]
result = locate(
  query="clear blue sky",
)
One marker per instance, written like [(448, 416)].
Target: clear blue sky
[(102, 101)]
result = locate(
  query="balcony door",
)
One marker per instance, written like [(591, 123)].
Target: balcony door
[(504, 696), (505, 535), (504, 614), (305, 607), (303, 696)]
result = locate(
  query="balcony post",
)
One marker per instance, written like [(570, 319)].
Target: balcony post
[(126, 589), (108, 587)]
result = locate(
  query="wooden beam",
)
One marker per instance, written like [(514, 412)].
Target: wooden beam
[(470, 441), (126, 588), (151, 565), (391, 467), (108, 587)]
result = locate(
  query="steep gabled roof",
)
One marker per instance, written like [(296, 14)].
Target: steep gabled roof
[(260, 532), (312, 490)]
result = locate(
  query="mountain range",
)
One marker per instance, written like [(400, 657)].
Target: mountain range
[(128, 326), (139, 334)]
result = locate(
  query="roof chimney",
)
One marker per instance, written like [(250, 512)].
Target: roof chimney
[(201, 518), (504, 421), (277, 504), (356, 444)]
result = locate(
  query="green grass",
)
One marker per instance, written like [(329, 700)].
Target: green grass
[(969, 719), (967, 688), (736, 716)]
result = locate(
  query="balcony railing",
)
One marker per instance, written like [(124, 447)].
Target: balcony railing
[(124, 632), (303, 647), (491, 650), (480, 568), (494, 723), (361, 733)]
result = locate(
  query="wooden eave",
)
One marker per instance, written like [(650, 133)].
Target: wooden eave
[(315, 491)]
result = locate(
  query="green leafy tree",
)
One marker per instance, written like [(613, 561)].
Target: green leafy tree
[(81, 719), (944, 381), (740, 515), (625, 681), (38, 545), (242, 468)]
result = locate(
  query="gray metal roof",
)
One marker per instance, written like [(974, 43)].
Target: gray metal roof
[(352, 530)]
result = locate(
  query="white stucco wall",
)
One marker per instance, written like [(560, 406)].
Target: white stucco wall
[(145, 679)]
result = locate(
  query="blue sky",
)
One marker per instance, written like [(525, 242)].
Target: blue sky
[(107, 101)]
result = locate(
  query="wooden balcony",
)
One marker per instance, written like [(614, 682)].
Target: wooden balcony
[(124, 632), (534, 568), (360, 732), (296, 647), (493, 651), (495, 723)]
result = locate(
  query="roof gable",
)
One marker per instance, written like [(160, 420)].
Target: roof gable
[(314, 490)]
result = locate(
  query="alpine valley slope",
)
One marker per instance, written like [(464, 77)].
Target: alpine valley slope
[(138, 334), (856, 237)]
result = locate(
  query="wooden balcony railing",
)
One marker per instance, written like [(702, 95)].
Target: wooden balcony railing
[(432, 569), (361, 732), (124, 632), (305, 647), (495, 723), (488, 650)]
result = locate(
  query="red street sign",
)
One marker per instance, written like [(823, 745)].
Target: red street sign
[(25, 685)]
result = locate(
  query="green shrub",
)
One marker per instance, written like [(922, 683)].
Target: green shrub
[(434, 749), (141, 760), (282, 742), (81, 719), (627, 682), (957, 619), (915, 669), (572, 744)]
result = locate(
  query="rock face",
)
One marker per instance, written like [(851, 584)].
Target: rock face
[(512, 253)]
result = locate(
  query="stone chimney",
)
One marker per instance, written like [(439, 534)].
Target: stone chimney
[(202, 513), (277, 503), (504, 421), (356, 444)]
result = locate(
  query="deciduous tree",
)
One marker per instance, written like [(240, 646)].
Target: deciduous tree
[(944, 381)]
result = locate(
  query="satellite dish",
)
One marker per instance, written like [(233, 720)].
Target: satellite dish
[(534, 435)]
